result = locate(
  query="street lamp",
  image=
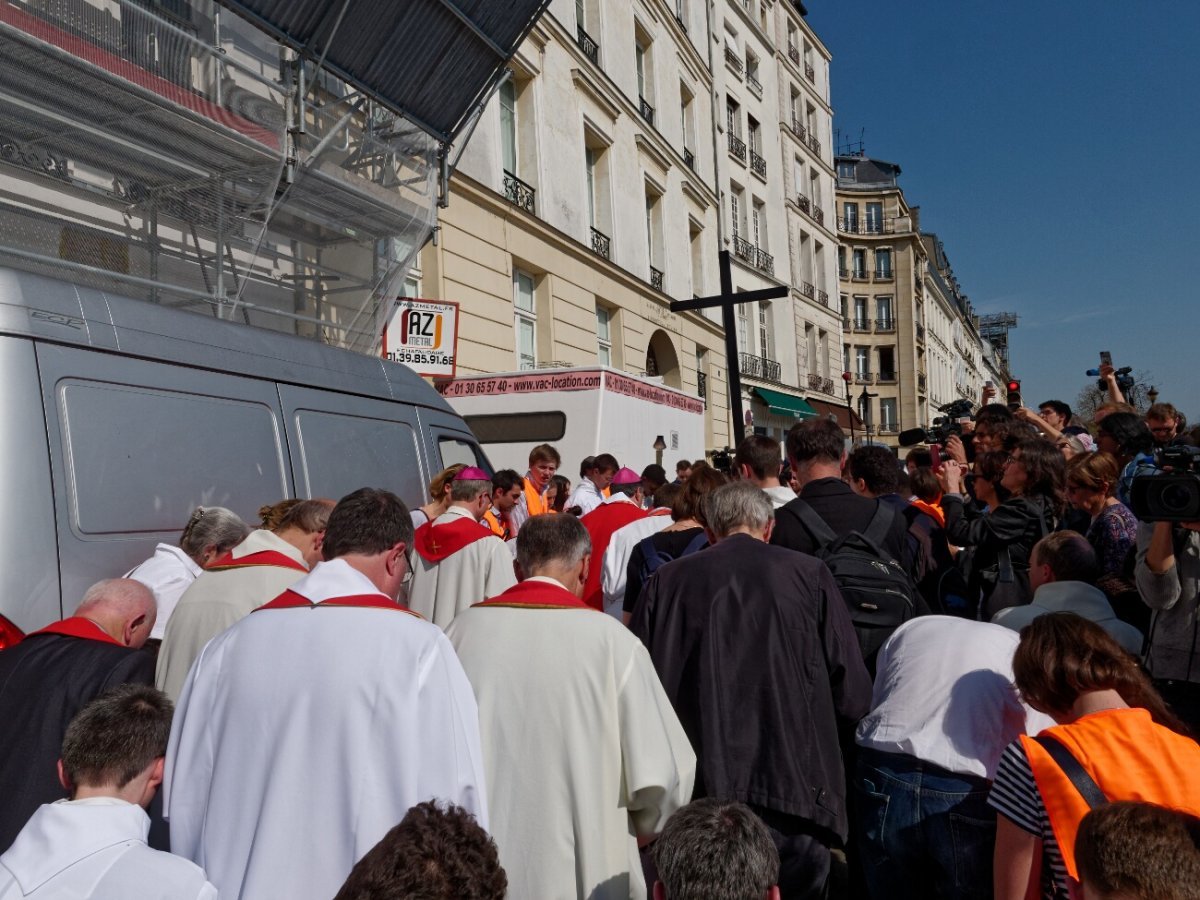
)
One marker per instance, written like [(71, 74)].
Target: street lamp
[(659, 446), (864, 402), (847, 377), (1152, 395)]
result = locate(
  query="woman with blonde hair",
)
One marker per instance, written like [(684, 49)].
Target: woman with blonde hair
[(439, 496), (1115, 740)]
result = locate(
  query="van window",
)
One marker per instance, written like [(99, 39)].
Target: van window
[(340, 454), (139, 460), (456, 450), (518, 428)]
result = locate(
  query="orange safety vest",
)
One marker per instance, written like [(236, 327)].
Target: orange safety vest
[(499, 528), (1128, 756), (931, 509), (535, 502)]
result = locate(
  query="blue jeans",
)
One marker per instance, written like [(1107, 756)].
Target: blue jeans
[(923, 832)]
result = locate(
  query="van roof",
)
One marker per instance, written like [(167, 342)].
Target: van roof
[(43, 308)]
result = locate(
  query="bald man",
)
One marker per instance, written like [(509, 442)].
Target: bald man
[(52, 674)]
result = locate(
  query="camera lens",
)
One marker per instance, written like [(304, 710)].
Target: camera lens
[(1178, 497)]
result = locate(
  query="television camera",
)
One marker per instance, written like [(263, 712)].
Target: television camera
[(943, 426), (1172, 495)]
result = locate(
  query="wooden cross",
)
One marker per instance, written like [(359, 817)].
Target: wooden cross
[(727, 300)]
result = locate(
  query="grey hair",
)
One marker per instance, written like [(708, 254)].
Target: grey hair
[(739, 504), (118, 596), (544, 540), (466, 491), (212, 526), (715, 850)]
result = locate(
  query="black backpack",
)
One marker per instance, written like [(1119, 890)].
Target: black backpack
[(878, 592), (654, 559)]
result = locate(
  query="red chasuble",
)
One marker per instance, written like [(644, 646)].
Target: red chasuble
[(292, 600), (78, 626), (436, 542), (600, 523), (261, 558), (536, 595)]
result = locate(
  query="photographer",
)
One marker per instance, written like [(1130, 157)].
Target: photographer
[(988, 433), (1126, 437), (1168, 579), (1034, 476), (1165, 422)]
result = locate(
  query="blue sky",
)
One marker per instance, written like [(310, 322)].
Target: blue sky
[(1050, 144)]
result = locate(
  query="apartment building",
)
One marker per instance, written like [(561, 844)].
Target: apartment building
[(912, 341), (584, 203)]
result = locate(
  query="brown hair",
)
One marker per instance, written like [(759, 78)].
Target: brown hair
[(1166, 412), (1069, 556), (689, 503), (441, 481), (272, 513), (310, 516), (1139, 851), (1094, 471), (761, 453), (924, 485), (1045, 471), (821, 440), (1062, 656), (544, 453)]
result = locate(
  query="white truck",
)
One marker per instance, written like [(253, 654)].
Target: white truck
[(581, 412)]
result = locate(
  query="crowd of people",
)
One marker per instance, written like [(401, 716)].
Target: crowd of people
[(827, 672)]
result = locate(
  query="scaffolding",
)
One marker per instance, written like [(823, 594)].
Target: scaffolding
[(994, 328)]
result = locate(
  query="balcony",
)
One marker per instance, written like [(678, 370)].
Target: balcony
[(885, 326), (689, 159), (733, 60), (754, 84), (862, 325), (920, 332), (921, 381), (884, 275), (702, 385), (589, 47), (518, 192), (793, 54), (737, 146), (601, 243), (859, 275), (818, 215), (810, 73), (815, 383), (889, 428), (656, 278), (759, 367), (823, 298), (805, 204), (646, 110), (865, 226), (863, 378), (887, 378), (799, 130), (813, 144), (758, 165), (843, 272), (751, 254)]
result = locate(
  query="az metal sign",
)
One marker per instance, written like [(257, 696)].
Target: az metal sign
[(423, 335)]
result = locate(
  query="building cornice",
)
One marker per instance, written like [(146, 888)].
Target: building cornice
[(593, 89), (646, 147)]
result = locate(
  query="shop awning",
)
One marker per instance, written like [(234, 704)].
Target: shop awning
[(786, 405), (839, 412)]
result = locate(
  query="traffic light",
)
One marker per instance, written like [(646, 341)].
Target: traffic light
[(1014, 393)]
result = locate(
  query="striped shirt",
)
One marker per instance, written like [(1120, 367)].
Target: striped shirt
[(1015, 796)]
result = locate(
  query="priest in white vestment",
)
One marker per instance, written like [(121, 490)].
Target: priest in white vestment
[(583, 751), (232, 586), (308, 729), (458, 560)]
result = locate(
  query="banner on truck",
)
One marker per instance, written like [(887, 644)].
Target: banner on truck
[(423, 335)]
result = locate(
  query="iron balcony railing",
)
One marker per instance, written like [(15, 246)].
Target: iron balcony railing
[(733, 60), (793, 54), (859, 275), (921, 381), (587, 44), (886, 377), (737, 146), (823, 298), (646, 110), (814, 382), (753, 255), (827, 386), (656, 278), (518, 192), (920, 332), (888, 428), (863, 378), (799, 130), (702, 384), (883, 326), (689, 159), (862, 325), (602, 243), (810, 73), (754, 84), (758, 165), (818, 215), (808, 290), (884, 275), (759, 367), (804, 203), (865, 226), (813, 144), (843, 272)]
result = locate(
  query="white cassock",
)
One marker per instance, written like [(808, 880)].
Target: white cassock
[(168, 573), (95, 849), (616, 558), (304, 733), (582, 748), (586, 496), (255, 572), (484, 568)]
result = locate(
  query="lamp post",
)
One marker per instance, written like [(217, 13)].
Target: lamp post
[(659, 446), (864, 402), (847, 377), (1152, 395)]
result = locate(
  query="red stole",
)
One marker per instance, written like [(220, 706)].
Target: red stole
[(261, 558), (536, 595), (436, 542), (600, 523), (292, 600), (79, 627)]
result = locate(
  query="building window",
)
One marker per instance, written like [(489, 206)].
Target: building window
[(737, 211), (887, 364), (887, 414), (883, 309), (845, 307), (754, 135), (874, 218), (508, 126), (846, 171), (862, 361), (526, 319), (687, 123), (696, 243), (759, 225), (733, 117), (743, 328), (862, 319), (883, 263), (860, 263), (850, 215), (591, 157), (654, 238), (603, 336), (765, 332), (598, 195), (842, 272)]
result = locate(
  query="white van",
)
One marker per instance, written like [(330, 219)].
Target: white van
[(120, 417)]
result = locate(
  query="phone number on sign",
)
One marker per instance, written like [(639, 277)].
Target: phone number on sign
[(418, 358)]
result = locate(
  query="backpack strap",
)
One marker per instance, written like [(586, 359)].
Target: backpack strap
[(699, 542), (1074, 770), (652, 559), (813, 523), (880, 526)]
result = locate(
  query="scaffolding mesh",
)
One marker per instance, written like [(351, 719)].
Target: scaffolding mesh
[(157, 150)]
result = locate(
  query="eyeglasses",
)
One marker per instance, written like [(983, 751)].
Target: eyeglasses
[(408, 567), (1163, 429)]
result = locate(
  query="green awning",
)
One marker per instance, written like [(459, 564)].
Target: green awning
[(786, 405)]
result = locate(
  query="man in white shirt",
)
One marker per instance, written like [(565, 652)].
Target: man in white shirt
[(1062, 573), (94, 845), (309, 728), (942, 711), (759, 460), (589, 493), (615, 565)]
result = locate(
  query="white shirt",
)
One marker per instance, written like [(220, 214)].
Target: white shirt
[(95, 849), (168, 573), (586, 496), (944, 694), (780, 495), (615, 564), (303, 735), (1077, 597)]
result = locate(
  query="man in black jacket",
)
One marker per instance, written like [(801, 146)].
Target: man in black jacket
[(816, 451), (755, 649), (52, 674)]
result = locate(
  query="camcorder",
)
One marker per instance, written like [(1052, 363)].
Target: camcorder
[(1124, 379), (1172, 495), (945, 425)]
